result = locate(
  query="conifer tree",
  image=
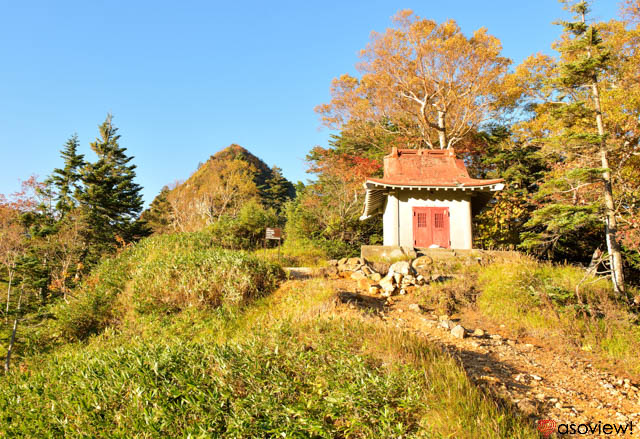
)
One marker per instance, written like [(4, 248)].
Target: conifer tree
[(111, 200), (67, 180), (277, 190), (585, 150), (158, 215), (585, 60), (504, 155)]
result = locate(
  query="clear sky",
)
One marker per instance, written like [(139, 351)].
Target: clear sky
[(186, 78)]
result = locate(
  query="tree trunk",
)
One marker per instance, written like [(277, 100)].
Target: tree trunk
[(611, 225), (13, 336), (6, 315), (595, 261), (442, 130)]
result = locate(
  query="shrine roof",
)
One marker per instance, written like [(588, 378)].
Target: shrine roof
[(427, 168)]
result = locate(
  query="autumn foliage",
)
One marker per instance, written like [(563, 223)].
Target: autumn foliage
[(219, 189), (429, 81)]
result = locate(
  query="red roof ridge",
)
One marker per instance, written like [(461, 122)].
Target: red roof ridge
[(395, 151), (428, 167), (420, 169), (467, 182)]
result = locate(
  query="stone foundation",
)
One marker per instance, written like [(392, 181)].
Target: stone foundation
[(390, 253)]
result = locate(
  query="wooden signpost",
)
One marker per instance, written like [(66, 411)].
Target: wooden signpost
[(275, 234)]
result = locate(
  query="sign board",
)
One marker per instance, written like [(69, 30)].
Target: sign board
[(273, 233)]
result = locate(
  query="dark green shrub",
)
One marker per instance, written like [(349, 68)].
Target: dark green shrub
[(245, 231)]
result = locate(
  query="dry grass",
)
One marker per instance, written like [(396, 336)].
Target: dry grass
[(293, 256), (560, 301), (543, 300)]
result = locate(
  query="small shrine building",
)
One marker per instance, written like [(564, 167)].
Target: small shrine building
[(427, 199)]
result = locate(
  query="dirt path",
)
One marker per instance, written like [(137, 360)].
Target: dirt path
[(541, 381), (300, 272)]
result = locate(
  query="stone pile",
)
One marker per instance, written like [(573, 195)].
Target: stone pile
[(387, 280)]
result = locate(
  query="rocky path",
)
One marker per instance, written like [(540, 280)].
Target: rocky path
[(531, 374)]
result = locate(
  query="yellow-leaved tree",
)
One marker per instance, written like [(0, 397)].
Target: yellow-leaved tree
[(585, 116), (426, 82)]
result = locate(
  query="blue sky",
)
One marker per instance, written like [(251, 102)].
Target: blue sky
[(186, 78)]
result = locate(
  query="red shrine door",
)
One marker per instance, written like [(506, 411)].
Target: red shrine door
[(431, 226)]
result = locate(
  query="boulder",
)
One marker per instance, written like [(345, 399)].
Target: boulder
[(331, 272), (409, 252), (387, 284), (447, 324), (422, 264), (357, 275), (402, 267), (376, 277), (332, 263), (458, 331), (364, 284), (342, 261), (374, 289), (397, 277), (380, 267), (355, 261), (478, 332)]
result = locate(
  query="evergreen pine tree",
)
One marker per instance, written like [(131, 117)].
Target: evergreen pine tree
[(67, 180), (111, 200), (585, 60), (504, 155), (278, 190), (158, 215)]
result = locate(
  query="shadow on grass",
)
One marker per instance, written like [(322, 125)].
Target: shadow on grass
[(486, 371), (363, 302)]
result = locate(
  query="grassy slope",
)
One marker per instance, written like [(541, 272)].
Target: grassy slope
[(282, 366), (558, 302), (291, 255)]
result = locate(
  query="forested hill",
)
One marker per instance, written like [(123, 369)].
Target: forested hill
[(222, 185), (263, 175)]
